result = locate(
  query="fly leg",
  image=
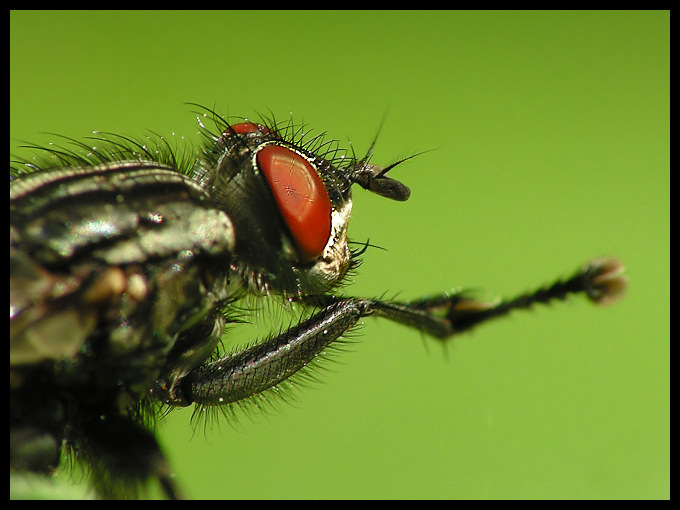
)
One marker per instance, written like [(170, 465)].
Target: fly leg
[(452, 313), (258, 368), (264, 365)]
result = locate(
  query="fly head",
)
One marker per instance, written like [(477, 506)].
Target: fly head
[(290, 199)]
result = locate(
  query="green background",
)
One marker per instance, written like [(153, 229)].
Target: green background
[(551, 136)]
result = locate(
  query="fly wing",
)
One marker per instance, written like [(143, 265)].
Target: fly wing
[(45, 319)]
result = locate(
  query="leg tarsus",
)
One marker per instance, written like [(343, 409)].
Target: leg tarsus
[(601, 280)]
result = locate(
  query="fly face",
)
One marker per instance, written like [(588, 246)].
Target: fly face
[(126, 264)]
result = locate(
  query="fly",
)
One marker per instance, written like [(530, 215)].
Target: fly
[(128, 263)]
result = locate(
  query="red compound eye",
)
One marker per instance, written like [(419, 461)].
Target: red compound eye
[(301, 197), (243, 128)]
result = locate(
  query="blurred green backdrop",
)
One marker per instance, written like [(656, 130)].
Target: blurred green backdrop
[(551, 135)]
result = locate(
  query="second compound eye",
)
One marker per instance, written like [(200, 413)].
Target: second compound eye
[(243, 128), (301, 197)]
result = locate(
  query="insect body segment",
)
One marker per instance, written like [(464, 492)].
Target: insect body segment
[(127, 268)]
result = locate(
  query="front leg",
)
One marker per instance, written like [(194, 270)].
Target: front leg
[(261, 367), (258, 368), (451, 313)]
